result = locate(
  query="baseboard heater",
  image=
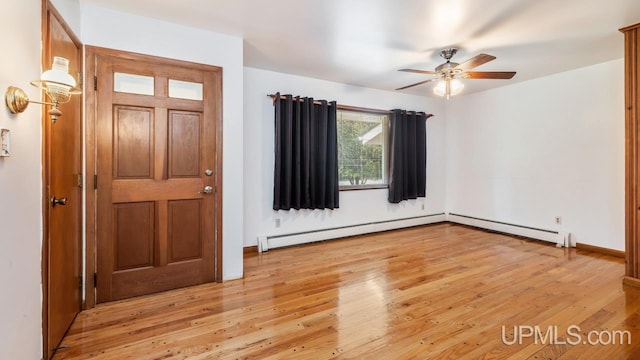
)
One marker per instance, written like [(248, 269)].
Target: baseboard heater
[(266, 242), (560, 238)]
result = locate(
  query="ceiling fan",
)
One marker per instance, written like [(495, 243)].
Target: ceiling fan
[(450, 73)]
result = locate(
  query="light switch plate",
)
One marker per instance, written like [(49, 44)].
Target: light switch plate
[(5, 142)]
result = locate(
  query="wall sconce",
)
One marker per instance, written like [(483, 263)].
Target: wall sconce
[(57, 84)]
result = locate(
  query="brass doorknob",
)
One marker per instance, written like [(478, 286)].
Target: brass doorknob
[(60, 201)]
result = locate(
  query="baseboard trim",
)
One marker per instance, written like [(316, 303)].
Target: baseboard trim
[(250, 249), (592, 248), (601, 250), (266, 242), (511, 229), (631, 281)]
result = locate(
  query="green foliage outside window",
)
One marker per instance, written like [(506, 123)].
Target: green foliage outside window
[(361, 144)]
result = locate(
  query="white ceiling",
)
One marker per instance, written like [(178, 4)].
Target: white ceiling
[(364, 42)]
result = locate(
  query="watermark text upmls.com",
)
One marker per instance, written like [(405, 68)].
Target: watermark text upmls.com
[(573, 336)]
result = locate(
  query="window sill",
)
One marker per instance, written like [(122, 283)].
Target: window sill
[(363, 187)]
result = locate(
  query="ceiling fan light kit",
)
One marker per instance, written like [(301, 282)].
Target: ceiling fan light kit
[(448, 87), (450, 73)]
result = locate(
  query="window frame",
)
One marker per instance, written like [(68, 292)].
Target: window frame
[(385, 150)]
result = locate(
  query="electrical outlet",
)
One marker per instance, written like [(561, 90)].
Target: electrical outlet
[(277, 223), (422, 206), (558, 220)]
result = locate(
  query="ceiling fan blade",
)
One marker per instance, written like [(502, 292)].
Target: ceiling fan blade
[(426, 72), (418, 83), (475, 62), (489, 74)]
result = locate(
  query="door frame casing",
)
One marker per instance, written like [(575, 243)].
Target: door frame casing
[(48, 8), (92, 53)]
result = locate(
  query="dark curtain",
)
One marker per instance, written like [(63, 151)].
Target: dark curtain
[(407, 155), (306, 154)]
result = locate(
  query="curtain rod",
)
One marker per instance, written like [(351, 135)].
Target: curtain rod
[(282, 97), (353, 108)]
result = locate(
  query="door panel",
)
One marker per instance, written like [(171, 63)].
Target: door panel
[(155, 224), (184, 144), (62, 166), (133, 148), (185, 231), (134, 228)]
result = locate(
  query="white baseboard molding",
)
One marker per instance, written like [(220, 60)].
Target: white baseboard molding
[(560, 238), (266, 242)]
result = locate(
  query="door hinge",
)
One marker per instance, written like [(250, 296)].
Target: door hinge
[(95, 280), (80, 180), (95, 83), (95, 182), (80, 283), (80, 79)]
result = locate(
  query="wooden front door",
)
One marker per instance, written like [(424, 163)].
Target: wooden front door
[(156, 174), (62, 245)]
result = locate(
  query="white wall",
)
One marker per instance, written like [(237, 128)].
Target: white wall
[(21, 188), (148, 36), (552, 146), (356, 207)]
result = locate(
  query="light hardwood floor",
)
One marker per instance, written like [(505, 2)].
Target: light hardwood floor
[(435, 292)]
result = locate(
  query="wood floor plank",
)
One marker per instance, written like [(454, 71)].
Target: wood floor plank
[(442, 291)]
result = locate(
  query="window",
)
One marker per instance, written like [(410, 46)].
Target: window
[(133, 84), (185, 90), (362, 149)]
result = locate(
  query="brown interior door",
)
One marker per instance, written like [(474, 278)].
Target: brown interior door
[(62, 168), (156, 175)]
